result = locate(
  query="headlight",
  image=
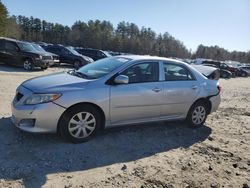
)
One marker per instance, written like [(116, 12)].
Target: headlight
[(39, 57), (41, 98)]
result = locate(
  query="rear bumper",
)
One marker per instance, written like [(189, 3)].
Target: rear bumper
[(215, 101)]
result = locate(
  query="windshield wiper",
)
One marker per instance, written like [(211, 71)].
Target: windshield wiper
[(81, 74), (77, 73)]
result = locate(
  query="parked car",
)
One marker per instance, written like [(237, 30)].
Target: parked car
[(93, 53), (237, 66), (114, 91), (221, 65), (14, 52), (53, 56), (223, 73), (242, 72), (69, 55), (246, 68)]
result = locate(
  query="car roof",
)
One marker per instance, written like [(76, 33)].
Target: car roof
[(148, 57), (9, 39)]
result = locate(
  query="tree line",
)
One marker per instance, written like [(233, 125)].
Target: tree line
[(126, 37)]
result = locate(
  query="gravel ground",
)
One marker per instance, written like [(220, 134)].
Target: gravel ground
[(167, 154)]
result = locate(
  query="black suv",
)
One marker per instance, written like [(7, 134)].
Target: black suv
[(93, 53), (14, 52), (68, 55)]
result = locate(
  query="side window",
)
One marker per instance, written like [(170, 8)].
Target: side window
[(51, 49), (143, 72), (100, 54), (10, 46), (175, 72)]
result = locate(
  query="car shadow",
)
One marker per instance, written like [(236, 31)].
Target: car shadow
[(31, 157)]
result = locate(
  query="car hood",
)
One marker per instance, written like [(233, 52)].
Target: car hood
[(58, 82)]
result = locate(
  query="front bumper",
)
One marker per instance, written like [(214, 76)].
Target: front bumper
[(43, 63), (40, 118)]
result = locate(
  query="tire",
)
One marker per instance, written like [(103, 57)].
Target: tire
[(28, 65), (77, 64), (80, 123), (44, 68), (197, 114)]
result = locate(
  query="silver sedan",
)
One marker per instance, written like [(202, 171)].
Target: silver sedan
[(114, 91)]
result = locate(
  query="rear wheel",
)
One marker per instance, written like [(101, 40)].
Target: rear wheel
[(28, 64), (80, 124), (197, 114)]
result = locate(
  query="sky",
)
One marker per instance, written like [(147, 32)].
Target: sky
[(225, 23)]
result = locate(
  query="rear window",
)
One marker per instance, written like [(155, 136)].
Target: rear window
[(175, 72)]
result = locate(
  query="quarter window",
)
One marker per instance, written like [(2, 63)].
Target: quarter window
[(143, 72), (175, 72)]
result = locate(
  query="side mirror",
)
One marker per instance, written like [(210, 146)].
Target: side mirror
[(121, 79)]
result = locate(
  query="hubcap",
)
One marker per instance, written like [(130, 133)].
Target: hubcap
[(198, 115), (82, 125), (27, 65)]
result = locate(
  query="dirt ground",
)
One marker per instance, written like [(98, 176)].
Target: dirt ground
[(168, 154)]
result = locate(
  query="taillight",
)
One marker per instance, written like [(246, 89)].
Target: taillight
[(219, 88)]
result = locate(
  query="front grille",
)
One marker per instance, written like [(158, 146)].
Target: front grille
[(47, 57), (19, 96)]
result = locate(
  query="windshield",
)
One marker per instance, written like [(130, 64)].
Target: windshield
[(107, 53), (73, 51), (26, 47), (102, 67), (38, 48)]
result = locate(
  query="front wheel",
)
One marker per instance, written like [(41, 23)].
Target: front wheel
[(28, 65), (80, 124), (197, 114)]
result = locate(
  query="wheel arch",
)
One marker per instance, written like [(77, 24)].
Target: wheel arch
[(98, 108), (27, 58), (204, 100)]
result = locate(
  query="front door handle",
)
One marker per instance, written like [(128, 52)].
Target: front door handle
[(194, 87), (156, 89)]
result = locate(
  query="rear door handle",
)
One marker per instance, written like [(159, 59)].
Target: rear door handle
[(194, 87), (156, 89)]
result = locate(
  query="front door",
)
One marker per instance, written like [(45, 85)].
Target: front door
[(141, 98)]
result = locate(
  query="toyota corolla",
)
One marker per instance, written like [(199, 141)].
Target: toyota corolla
[(114, 91)]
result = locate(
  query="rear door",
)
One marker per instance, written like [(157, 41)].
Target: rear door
[(180, 89), (141, 98)]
